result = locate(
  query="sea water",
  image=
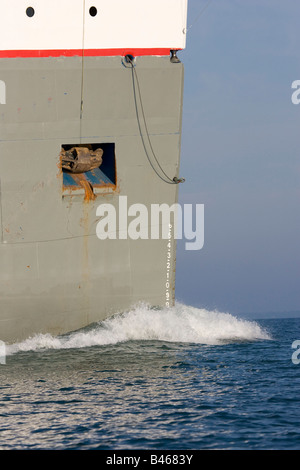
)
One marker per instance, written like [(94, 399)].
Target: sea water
[(177, 378)]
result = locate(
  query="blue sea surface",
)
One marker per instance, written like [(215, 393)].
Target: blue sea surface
[(178, 378)]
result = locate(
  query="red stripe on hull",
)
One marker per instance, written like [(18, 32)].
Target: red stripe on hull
[(87, 52)]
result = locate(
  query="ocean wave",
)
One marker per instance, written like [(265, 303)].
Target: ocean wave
[(180, 324)]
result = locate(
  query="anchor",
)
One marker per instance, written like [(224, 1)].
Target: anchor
[(81, 159)]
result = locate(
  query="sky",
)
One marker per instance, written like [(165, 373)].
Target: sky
[(240, 156)]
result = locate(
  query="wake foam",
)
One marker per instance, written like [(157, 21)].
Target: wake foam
[(181, 324)]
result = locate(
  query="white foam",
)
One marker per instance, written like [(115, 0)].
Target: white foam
[(182, 324)]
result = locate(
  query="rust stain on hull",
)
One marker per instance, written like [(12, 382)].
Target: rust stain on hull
[(86, 185)]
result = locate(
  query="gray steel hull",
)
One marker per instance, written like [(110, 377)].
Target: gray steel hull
[(55, 274)]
